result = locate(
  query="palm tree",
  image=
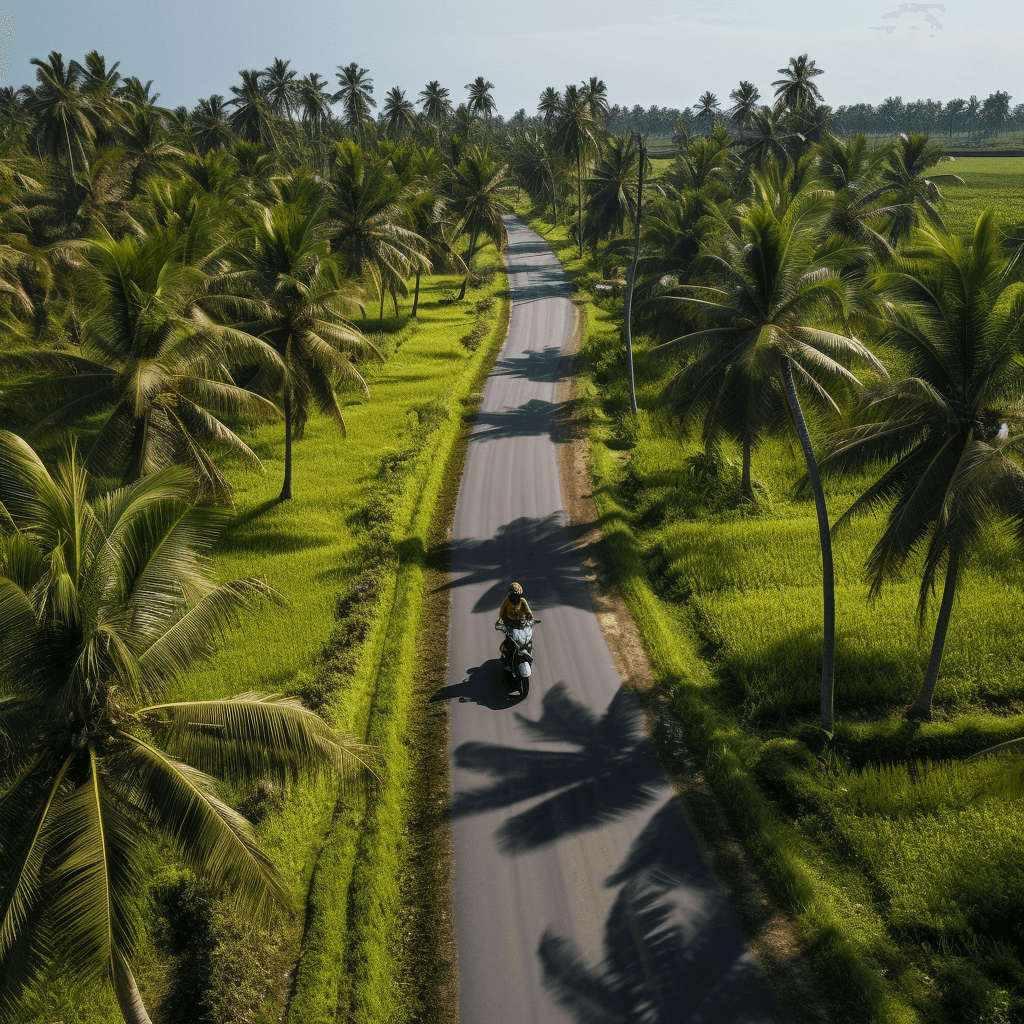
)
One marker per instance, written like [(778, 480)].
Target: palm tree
[(479, 199), (279, 83), (611, 188), (314, 103), (768, 328), (355, 95), (253, 118), (905, 189), (436, 103), (944, 427), (481, 102), (707, 111), (795, 90), (954, 108), (370, 223), (550, 103), (576, 138), (152, 362), (302, 318), (597, 96), (211, 124), (102, 607), (60, 111), (398, 112), (744, 104), (428, 211)]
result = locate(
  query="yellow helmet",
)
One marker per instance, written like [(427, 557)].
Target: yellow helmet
[(515, 589)]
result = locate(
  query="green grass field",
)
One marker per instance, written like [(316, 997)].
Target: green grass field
[(989, 181), (339, 555), (898, 859)]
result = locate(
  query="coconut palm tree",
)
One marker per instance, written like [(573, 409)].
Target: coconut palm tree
[(60, 111), (302, 316), (436, 103), (314, 103), (550, 103), (253, 118), (796, 90), (481, 102), (905, 189), (611, 188), (429, 216), (355, 96), (479, 200), (943, 429), (744, 104), (211, 124), (769, 334), (153, 365), (370, 223), (597, 96), (279, 83), (577, 138), (707, 112), (103, 606), (398, 112)]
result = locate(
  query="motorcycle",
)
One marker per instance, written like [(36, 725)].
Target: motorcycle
[(517, 656)]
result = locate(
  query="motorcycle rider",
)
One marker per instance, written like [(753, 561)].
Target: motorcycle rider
[(514, 610)]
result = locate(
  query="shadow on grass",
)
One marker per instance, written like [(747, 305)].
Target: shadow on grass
[(265, 537)]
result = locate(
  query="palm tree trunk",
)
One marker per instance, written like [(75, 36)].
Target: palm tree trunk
[(127, 992), (469, 261), (380, 319), (416, 296), (828, 588), (286, 488), (627, 315), (579, 199), (745, 486), (554, 201), (921, 709)]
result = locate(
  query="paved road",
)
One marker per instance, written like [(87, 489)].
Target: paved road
[(580, 894)]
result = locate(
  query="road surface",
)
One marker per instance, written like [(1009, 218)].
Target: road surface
[(580, 894)]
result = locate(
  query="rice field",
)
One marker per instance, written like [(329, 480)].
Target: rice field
[(988, 181)]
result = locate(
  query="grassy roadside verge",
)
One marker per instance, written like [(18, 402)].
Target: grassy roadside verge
[(851, 949), (348, 555)]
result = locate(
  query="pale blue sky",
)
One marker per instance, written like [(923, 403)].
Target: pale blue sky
[(647, 51)]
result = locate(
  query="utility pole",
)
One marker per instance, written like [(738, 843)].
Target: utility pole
[(632, 274)]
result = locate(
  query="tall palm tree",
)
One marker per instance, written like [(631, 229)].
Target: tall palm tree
[(480, 199), (211, 124), (397, 111), (102, 607), (314, 103), (429, 216), (550, 103), (61, 112), (769, 320), (279, 83), (370, 223), (611, 188), (153, 364), (577, 137), (597, 96), (253, 118), (707, 111), (436, 102), (302, 315), (943, 429), (481, 102), (905, 189), (355, 96), (796, 90), (744, 104)]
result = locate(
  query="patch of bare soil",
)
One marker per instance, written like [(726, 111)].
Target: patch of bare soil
[(773, 936)]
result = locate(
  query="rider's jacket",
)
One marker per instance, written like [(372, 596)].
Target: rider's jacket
[(513, 612)]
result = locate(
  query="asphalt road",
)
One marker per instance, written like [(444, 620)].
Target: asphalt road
[(580, 894)]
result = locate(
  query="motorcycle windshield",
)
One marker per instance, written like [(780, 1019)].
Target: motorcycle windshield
[(521, 636)]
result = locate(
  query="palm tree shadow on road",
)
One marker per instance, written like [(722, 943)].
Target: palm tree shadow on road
[(673, 951), (538, 552), (611, 772)]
